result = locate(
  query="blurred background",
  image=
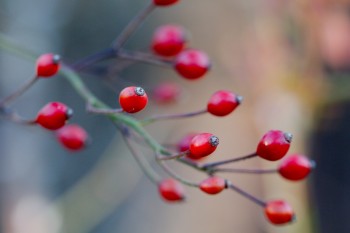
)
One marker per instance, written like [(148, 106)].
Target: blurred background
[(289, 59)]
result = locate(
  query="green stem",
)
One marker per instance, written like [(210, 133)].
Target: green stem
[(89, 97), (141, 161), (74, 79)]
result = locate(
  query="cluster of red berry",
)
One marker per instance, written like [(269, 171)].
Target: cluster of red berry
[(169, 47)]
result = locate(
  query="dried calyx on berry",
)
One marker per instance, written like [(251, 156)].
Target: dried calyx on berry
[(54, 115), (47, 65), (223, 102), (296, 167), (133, 99), (203, 145), (274, 145)]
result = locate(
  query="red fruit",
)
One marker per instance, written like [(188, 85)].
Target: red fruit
[(213, 185), (192, 64), (171, 190), (274, 145), (164, 2), (72, 137), (47, 65), (184, 145), (295, 167), (166, 92), (279, 212), (203, 145), (133, 99), (222, 103), (169, 40), (53, 115)]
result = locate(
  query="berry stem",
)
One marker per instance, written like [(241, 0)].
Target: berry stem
[(173, 174), (144, 57), (171, 157), (93, 59), (92, 109), (215, 164), (141, 161), (246, 195), (132, 26), (76, 82), (245, 171), (14, 117), (7, 100), (172, 116)]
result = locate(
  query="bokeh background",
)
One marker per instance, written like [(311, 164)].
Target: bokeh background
[(289, 59)]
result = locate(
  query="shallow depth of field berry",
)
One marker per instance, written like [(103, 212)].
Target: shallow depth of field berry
[(174, 116)]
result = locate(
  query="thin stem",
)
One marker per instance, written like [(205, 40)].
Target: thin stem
[(172, 116), (246, 195), (144, 57), (7, 100), (215, 164), (133, 25), (129, 121), (92, 109), (245, 171), (14, 117), (173, 174), (171, 157), (141, 161), (93, 59)]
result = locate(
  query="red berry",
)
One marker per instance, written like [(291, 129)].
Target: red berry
[(279, 212), (192, 64), (203, 145), (213, 185), (53, 115), (72, 137), (133, 99), (164, 2), (47, 65), (274, 145), (171, 190), (169, 40), (295, 167), (222, 103), (166, 92), (184, 145)]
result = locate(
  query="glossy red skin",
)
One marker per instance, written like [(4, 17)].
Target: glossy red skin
[(171, 190), (273, 145), (72, 137), (222, 103), (279, 212), (53, 115), (164, 2), (200, 146), (213, 185), (46, 66), (295, 167), (184, 145), (166, 93), (130, 102), (192, 64), (169, 40)]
